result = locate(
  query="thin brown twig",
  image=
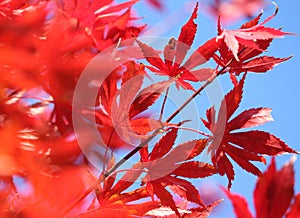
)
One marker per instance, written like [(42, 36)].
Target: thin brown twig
[(163, 104)]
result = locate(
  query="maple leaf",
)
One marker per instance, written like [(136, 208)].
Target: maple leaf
[(245, 53), (165, 165), (119, 114), (247, 36), (247, 60), (242, 147), (113, 199), (175, 52), (273, 194)]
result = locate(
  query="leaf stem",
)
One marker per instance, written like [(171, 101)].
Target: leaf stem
[(163, 104), (191, 129)]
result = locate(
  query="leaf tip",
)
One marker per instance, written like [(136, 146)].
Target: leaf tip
[(293, 159), (276, 8), (263, 160)]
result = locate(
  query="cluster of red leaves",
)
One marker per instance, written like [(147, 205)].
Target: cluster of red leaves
[(273, 195), (45, 45), (237, 53)]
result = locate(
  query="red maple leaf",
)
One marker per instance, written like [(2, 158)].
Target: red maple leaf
[(273, 194), (165, 165), (242, 147), (248, 34), (119, 116), (115, 201), (244, 59), (175, 52)]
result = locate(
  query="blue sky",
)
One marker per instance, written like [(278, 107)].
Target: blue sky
[(278, 89)]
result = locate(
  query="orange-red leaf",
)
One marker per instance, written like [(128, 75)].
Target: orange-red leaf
[(272, 195), (143, 126), (225, 167)]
